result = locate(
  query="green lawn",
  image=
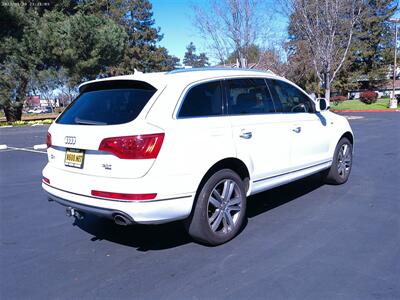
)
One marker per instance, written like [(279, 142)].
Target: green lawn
[(356, 104)]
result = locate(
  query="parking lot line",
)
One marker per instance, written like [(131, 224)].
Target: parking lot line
[(24, 149)]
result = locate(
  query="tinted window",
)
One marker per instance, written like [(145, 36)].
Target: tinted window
[(248, 96), (203, 100), (288, 98), (106, 107)]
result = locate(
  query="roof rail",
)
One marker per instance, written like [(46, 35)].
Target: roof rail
[(217, 69)]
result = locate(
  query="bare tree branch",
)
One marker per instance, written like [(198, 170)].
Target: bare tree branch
[(327, 27), (231, 26)]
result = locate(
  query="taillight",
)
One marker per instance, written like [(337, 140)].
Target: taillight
[(144, 146), (48, 140), (46, 180), (122, 196)]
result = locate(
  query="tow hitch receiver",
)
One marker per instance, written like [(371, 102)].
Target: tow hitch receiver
[(71, 212)]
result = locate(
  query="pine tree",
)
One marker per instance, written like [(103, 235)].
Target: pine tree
[(34, 40), (190, 58), (202, 60), (373, 43), (142, 52), (194, 60)]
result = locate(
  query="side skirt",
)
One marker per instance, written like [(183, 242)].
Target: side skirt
[(263, 184)]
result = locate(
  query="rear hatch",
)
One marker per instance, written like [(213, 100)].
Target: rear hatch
[(100, 133)]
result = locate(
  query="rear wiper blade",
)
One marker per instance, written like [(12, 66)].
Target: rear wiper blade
[(88, 122)]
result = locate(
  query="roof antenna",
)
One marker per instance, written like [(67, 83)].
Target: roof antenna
[(137, 71)]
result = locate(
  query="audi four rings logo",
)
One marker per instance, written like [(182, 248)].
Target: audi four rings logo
[(70, 140)]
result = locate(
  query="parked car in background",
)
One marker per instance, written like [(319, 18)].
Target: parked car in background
[(190, 145), (35, 110), (47, 110), (40, 110)]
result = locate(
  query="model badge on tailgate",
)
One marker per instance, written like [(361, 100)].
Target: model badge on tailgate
[(106, 166)]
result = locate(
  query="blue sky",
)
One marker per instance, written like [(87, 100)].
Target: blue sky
[(175, 18)]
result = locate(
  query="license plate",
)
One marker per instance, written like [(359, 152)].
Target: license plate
[(74, 158)]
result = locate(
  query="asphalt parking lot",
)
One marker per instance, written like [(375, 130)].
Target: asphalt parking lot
[(304, 240)]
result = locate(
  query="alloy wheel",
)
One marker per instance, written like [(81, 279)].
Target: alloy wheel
[(224, 206), (344, 161)]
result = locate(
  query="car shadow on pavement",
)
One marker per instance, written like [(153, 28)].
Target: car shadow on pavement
[(141, 237), (165, 236), (278, 196)]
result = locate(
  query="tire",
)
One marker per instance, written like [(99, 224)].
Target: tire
[(220, 209), (341, 165)]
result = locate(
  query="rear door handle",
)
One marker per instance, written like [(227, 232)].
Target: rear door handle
[(297, 129), (246, 135)]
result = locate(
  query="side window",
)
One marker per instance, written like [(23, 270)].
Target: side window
[(202, 100), (248, 96), (288, 98)]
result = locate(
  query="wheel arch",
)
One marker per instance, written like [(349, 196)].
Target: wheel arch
[(231, 163), (349, 136)]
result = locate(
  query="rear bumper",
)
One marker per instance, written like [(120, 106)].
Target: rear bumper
[(142, 212), (74, 190), (93, 210)]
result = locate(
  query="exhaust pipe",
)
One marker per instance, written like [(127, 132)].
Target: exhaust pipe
[(120, 219)]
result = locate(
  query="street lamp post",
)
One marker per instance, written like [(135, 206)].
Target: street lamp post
[(393, 101)]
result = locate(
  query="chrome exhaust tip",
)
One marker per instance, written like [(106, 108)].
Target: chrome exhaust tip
[(122, 220)]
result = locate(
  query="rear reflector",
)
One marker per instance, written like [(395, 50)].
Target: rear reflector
[(121, 196), (48, 140), (46, 180), (144, 146)]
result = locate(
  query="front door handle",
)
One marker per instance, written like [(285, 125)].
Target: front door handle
[(246, 135), (297, 129)]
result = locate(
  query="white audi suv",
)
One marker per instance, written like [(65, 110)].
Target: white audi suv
[(189, 145)]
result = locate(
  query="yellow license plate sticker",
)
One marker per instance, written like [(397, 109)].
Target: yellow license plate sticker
[(74, 158)]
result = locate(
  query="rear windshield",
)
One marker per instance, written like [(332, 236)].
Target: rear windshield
[(106, 106)]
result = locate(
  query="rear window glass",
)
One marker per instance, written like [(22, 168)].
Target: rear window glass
[(106, 107)]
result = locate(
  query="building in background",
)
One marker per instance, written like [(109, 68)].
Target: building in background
[(385, 89)]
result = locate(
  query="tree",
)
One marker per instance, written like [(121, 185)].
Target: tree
[(45, 84), (67, 90), (373, 45), (85, 45), (18, 57), (300, 67), (194, 60), (34, 39), (252, 54), (202, 60), (231, 26), (270, 59), (327, 28), (190, 57), (142, 52)]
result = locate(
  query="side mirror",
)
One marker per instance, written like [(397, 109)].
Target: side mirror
[(321, 104)]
